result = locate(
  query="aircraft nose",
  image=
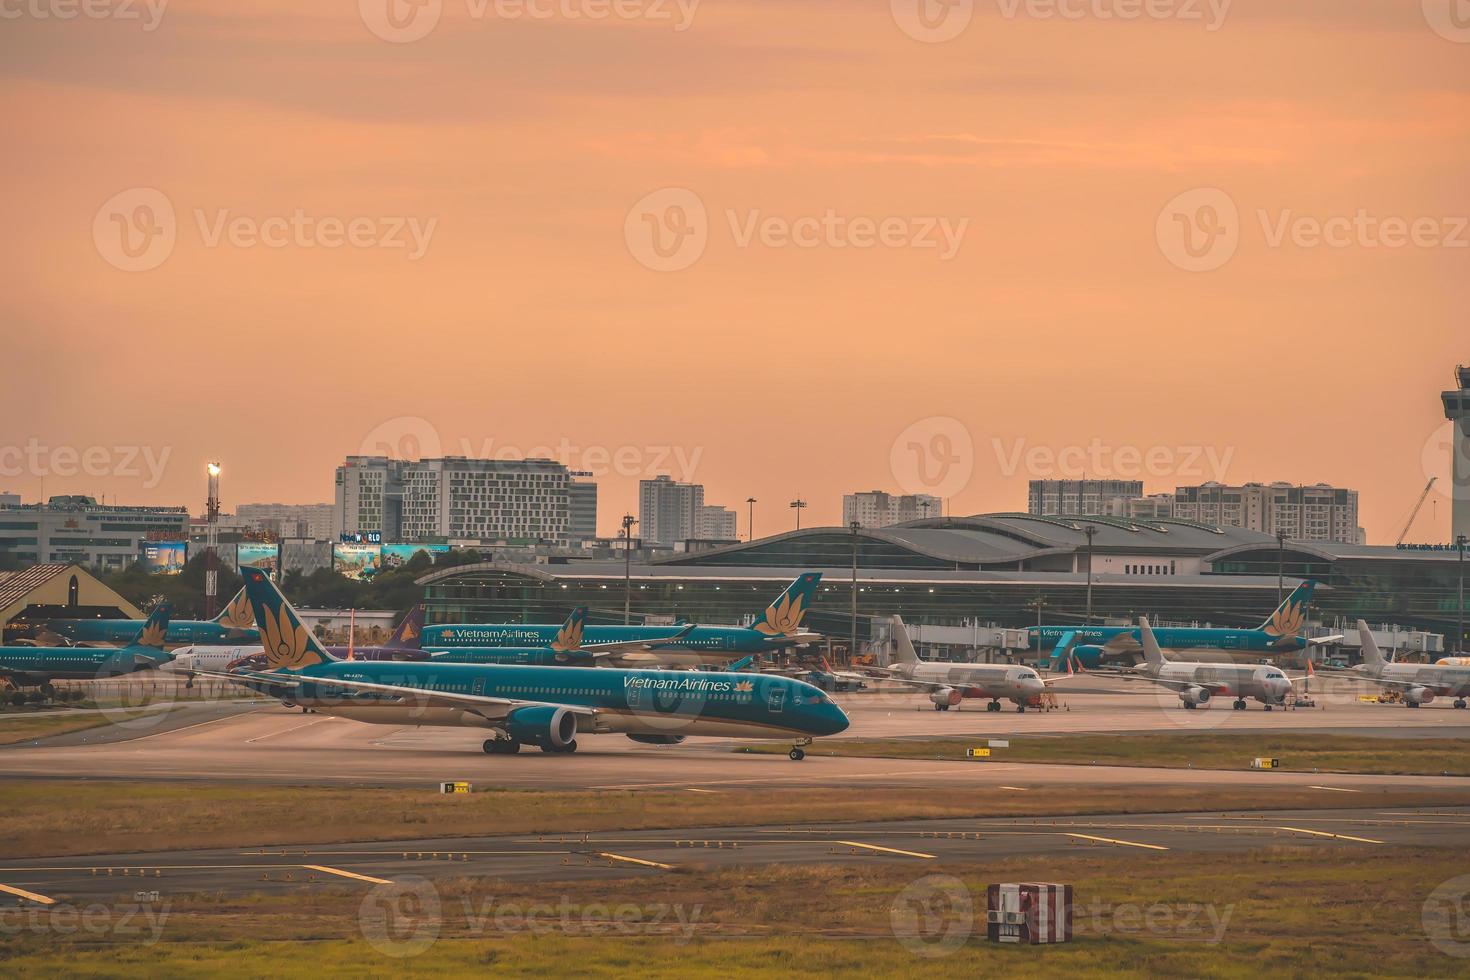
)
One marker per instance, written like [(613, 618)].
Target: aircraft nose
[(832, 720)]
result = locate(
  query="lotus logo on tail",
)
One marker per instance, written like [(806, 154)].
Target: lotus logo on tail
[(238, 615), (152, 635), (569, 637), (1288, 620), (783, 616), (286, 644)]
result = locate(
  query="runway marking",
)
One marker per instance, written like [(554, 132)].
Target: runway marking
[(347, 874), (1323, 833), (887, 850), (29, 896), (696, 789), (1336, 789), (190, 728), (285, 731), (956, 766), (632, 860), (1126, 843), (1018, 789)]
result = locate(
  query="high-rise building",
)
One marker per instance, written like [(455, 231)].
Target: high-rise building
[(715, 524), (874, 508), (582, 498), (311, 521), (524, 500), (1457, 410), (78, 530), (1056, 498), (9, 498), (1156, 506), (1315, 513), (668, 511)]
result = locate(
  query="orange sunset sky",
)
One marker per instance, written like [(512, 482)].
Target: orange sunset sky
[(539, 150)]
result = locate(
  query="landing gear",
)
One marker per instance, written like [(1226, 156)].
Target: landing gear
[(796, 755), (501, 746), (569, 748), (1020, 709), (941, 707), (1188, 706), (48, 691), (1268, 706), (1412, 704), (1239, 704), (993, 706), (1460, 704)]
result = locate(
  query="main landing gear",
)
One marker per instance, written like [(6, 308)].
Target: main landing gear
[(1460, 703), (568, 748), (993, 706), (501, 746)]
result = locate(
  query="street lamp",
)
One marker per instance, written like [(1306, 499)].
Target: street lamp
[(1460, 543), (852, 647), (628, 521), (211, 538), (1091, 531), (1280, 566), (750, 519), (798, 505)]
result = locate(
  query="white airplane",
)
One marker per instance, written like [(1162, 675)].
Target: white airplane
[(1420, 683), (949, 684), (1197, 683)]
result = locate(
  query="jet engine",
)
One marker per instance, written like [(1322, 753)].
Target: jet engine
[(552, 728), (945, 698), (1194, 696), (1416, 696), (658, 739)]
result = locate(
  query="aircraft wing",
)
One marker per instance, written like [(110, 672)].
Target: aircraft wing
[(794, 639), (1319, 640), (1173, 684), (489, 707), (599, 650)]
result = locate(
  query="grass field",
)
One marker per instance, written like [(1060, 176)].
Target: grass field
[(1201, 750), (106, 817), (1284, 912), (17, 727)]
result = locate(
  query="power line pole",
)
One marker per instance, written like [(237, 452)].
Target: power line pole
[(798, 505), (750, 519), (628, 521)]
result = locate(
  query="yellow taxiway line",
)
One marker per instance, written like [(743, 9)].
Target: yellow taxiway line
[(1125, 843), (887, 850), (29, 896), (1336, 789), (1323, 833), (632, 860), (347, 874)]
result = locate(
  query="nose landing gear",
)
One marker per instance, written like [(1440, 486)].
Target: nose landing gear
[(796, 754)]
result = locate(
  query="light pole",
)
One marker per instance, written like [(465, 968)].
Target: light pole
[(628, 521), (1460, 543), (1040, 603), (1091, 531), (1280, 566), (211, 529), (750, 519), (852, 647), (798, 505)]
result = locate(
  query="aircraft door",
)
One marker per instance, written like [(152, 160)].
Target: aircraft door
[(776, 698)]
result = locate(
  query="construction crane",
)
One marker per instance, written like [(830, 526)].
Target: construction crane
[(1417, 507)]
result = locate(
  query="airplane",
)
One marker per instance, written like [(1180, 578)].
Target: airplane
[(39, 666), (1197, 683), (778, 626), (568, 649), (402, 644), (234, 624), (529, 705), (1419, 683), (950, 684), (826, 676), (1280, 633)]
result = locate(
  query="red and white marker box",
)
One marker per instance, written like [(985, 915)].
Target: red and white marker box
[(1028, 912)]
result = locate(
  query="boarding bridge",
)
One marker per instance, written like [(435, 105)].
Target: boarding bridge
[(973, 643)]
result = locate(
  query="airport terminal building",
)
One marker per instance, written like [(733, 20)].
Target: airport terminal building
[(988, 569)]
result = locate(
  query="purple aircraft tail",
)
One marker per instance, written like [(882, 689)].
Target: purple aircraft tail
[(406, 633)]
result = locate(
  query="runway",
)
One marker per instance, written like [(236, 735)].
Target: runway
[(926, 845), (277, 745)]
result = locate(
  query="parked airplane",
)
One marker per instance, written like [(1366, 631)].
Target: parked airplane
[(950, 684), (1197, 683), (778, 626), (234, 624), (402, 644), (1419, 683), (543, 706), (1280, 633), (39, 666), (568, 649)]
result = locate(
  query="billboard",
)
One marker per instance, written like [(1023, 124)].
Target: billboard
[(359, 561), (266, 557), (395, 555), (164, 557)]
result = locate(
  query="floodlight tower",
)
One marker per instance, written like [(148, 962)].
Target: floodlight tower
[(1457, 410), (211, 545)]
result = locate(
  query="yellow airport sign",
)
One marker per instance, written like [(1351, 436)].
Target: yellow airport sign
[(454, 787), (977, 753), (1260, 763)]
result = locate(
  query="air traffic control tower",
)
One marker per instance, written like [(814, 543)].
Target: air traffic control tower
[(1457, 410)]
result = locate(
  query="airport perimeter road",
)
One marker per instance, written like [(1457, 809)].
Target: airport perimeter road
[(925, 844), (280, 746)]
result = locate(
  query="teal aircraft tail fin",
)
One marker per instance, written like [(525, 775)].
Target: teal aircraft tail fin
[(1061, 654), (406, 633), (737, 666), (569, 637), (288, 644), (237, 614), (1152, 655), (1291, 616), (783, 617), (155, 628), (903, 647)]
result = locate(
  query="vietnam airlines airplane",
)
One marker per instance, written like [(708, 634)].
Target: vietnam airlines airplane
[(529, 705), (779, 626), (402, 644), (569, 649), (1280, 633), (39, 666), (234, 624)]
